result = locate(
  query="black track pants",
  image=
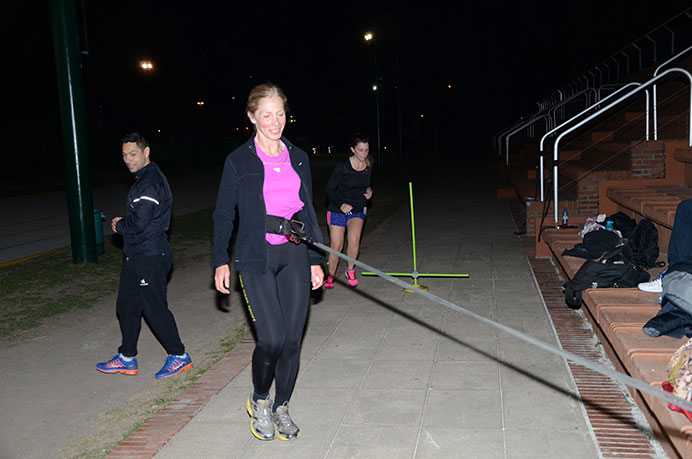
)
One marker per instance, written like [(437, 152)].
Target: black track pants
[(142, 292), (278, 301)]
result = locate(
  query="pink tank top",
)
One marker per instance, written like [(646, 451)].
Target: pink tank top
[(281, 186)]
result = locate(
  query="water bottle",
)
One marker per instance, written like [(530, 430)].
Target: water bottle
[(609, 225), (565, 217)]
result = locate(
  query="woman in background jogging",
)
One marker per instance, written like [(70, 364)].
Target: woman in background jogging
[(348, 191)]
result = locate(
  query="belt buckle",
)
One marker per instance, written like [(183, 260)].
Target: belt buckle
[(293, 237), (299, 223)]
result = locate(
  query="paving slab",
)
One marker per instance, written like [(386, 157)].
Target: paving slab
[(390, 374)]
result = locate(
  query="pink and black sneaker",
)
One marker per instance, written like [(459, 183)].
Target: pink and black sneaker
[(329, 283), (351, 278)]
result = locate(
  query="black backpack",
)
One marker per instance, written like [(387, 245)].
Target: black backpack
[(644, 243), (614, 269), (623, 223), (596, 244)]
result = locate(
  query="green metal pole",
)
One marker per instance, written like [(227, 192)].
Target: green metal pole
[(79, 198)]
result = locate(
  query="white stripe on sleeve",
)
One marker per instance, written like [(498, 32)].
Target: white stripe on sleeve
[(147, 198)]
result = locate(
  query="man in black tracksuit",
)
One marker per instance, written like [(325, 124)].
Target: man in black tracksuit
[(148, 259)]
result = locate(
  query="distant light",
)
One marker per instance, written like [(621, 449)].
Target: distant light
[(421, 115), (158, 130), (385, 147), (368, 36), (232, 97), (146, 65), (247, 128), (449, 86), (374, 87), (237, 129), (200, 102)]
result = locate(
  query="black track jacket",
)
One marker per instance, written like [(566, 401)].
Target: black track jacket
[(148, 214), (242, 185)]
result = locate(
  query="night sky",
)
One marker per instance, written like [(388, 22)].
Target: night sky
[(499, 57)]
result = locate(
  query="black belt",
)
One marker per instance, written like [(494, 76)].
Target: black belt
[(289, 227)]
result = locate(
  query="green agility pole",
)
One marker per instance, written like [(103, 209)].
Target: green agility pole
[(415, 274), (413, 234)]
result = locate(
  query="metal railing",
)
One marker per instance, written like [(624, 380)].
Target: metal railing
[(550, 117), (618, 65), (659, 42), (552, 111), (681, 53), (587, 109), (556, 145), (522, 127), (497, 138)]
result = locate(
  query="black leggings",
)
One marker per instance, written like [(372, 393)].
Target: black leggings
[(278, 301)]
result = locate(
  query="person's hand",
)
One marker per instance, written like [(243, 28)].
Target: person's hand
[(222, 279), (114, 224), (368, 193), (346, 208), (316, 276)]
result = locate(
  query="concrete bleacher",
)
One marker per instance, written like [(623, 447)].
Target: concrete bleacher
[(618, 315), (609, 166)]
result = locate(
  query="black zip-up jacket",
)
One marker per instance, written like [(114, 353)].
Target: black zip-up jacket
[(242, 185), (148, 214)]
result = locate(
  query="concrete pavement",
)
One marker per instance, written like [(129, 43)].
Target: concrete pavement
[(388, 374), (384, 373)]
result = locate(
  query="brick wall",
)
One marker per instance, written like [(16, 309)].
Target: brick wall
[(587, 194), (534, 211), (648, 160)]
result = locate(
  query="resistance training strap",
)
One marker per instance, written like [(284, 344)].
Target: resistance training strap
[(626, 379)]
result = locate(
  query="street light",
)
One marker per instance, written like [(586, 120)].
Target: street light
[(370, 37)]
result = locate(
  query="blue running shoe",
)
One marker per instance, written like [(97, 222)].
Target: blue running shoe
[(118, 365), (174, 365)]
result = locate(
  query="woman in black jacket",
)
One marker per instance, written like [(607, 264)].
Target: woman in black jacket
[(266, 178), (348, 191)]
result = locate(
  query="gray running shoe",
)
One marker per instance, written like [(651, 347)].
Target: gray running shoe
[(261, 424), (286, 429)]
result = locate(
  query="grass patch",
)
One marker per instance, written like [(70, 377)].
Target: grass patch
[(40, 288)]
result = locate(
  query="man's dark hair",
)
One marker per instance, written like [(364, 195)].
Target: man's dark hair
[(135, 137)]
